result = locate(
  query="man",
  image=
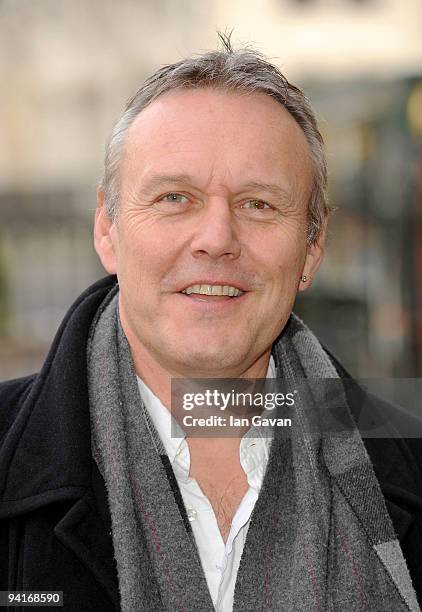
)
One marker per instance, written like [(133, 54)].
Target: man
[(212, 214)]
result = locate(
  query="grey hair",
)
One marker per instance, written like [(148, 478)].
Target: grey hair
[(243, 70)]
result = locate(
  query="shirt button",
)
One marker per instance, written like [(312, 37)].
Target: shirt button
[(192, 514)]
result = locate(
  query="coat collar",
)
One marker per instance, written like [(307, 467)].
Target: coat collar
[(53, 420)]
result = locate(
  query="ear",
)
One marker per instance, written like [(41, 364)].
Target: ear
[(105, 236), (314, 257)]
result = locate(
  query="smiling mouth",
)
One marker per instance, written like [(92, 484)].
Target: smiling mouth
[(213, 290)]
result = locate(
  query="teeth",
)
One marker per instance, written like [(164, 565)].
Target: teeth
[(192, 289), (213, 290)]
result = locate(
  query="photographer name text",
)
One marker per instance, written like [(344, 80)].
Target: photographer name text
[(232, 421)]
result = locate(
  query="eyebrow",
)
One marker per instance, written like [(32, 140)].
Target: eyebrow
[(275, 190), (160, 180)]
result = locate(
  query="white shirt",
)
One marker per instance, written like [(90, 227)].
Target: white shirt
[(220, 561)]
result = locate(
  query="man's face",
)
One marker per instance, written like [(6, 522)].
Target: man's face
[(214, 191)]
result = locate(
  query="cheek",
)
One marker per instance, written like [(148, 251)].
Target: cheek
[(151, 236), (289, 267), (145, 261), (284, 257), (140, 247)]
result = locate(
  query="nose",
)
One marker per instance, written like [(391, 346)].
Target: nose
[(215, 233)]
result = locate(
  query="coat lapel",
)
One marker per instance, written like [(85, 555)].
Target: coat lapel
[(82, 531)]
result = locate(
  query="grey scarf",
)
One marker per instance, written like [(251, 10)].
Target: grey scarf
[(320, 538)]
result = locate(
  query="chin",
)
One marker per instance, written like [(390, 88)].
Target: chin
[(209, 362)]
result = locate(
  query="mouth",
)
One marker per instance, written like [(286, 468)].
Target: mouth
[(213, 290)]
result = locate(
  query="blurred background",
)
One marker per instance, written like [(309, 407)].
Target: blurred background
[(67, 67)]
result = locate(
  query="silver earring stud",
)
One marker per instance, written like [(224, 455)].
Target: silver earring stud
[(304, 279)]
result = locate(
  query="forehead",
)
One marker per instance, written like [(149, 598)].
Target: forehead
[(213, 133)]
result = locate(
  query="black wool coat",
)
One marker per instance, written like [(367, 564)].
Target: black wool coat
[(55, 525)]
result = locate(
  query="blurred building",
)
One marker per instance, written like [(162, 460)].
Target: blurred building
[(366, 303), (332, 39), (67, 68)]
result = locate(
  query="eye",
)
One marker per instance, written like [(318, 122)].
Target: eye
[(174, 197), (256, 205), (172, 203)]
